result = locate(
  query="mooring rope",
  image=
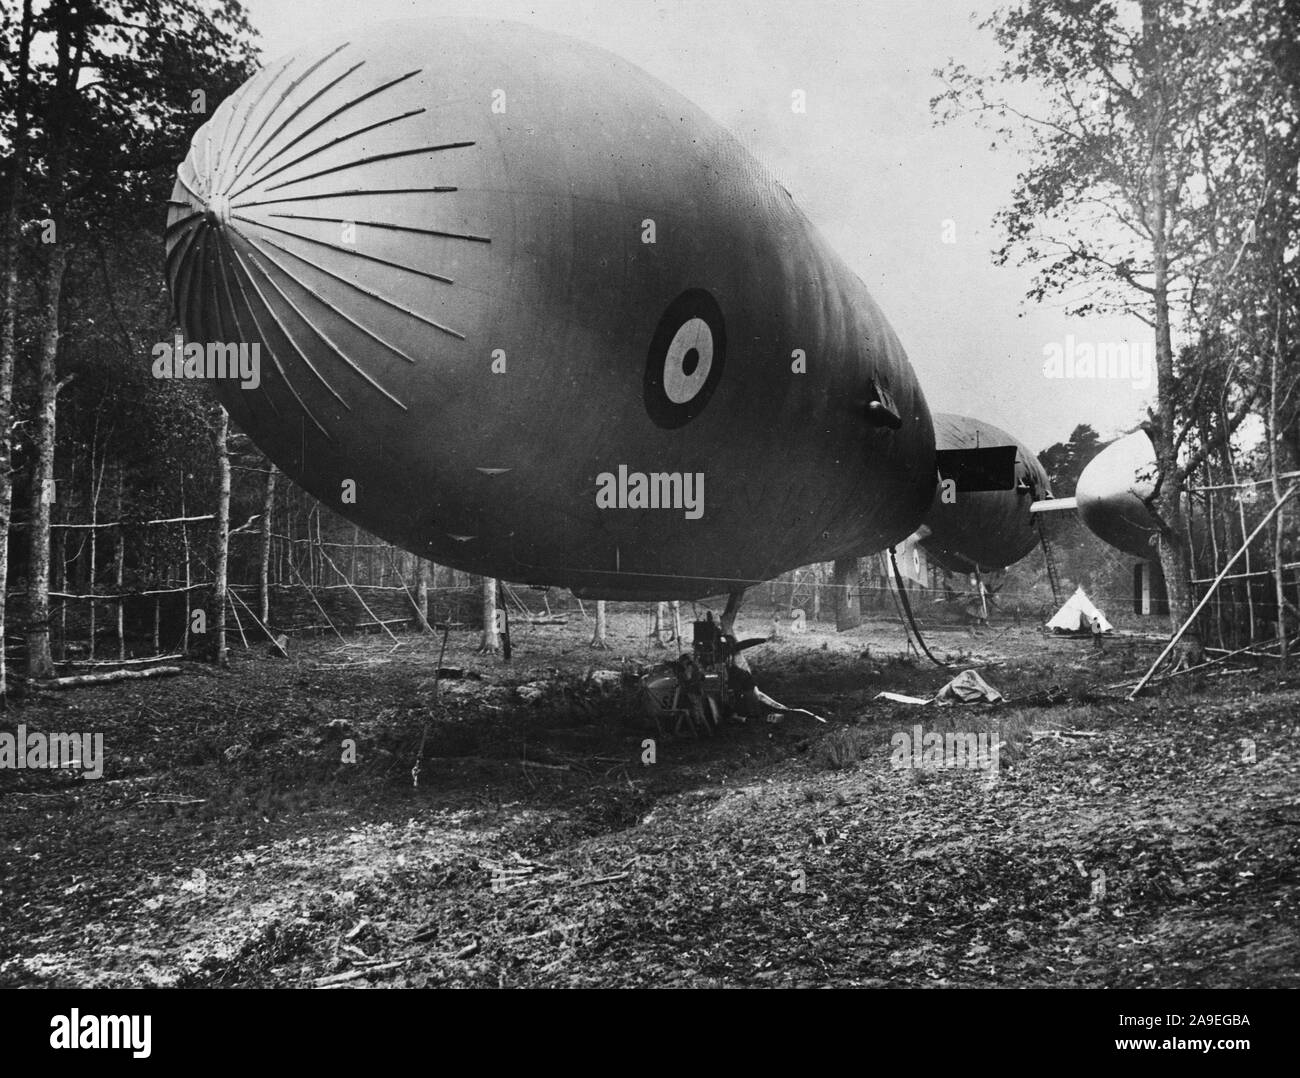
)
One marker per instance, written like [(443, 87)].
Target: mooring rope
[(907, 606)]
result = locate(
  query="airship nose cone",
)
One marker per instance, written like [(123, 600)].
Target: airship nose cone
[(216, 210), (1112, 491), (326, 217)]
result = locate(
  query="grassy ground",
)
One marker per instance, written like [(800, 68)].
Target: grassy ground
[(1122, 844)]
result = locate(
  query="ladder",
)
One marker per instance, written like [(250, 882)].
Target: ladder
[(1050, 559)]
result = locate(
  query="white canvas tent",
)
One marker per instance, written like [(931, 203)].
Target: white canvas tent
[(1077, 614)]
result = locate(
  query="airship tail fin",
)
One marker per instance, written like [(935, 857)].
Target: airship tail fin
[(1051, 505)]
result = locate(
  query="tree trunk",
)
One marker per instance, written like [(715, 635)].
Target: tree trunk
[(1174, 555), (598, 637), (491, 639), (504, 616), (96, 483), (1245, 531), (660, 629), (677, 624), (422, 594), (1284, 167), (40, 663), (1279, 585), (847, 581), (729, 612), (119, 565), (264, 567), (222, 537), (185, 547), (8, 319), (321, 556), (59, 565), (316, 563)]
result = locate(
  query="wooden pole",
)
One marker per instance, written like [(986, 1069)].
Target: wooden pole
[(264, 569), (185, 546), (320, 546), (422, 594), (316, 567), (657, 632), (1211, 516), (1279, 586), (223, 534), (357, 595), (76, 680), (1241, 514), (95, 484), (848, 581), (729, 612), (1206, 598), (311, 594), (506, 647), (261, 624), (490, 640), (60, 556), (598, 637), (118, 568), (239, 623)]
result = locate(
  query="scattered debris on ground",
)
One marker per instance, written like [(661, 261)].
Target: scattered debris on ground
[(259, 826)]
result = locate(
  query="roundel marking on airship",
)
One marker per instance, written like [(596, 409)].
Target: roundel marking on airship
[(685, 361), (688, 362)]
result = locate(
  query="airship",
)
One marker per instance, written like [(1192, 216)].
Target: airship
[(1114, 492), (985, 528), (524, 310), (1113, 498)]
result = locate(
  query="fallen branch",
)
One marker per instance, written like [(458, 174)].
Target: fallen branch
[(601, 879), (561, 929), (357, 974), (1259, 650), (76, 681), (548, 767), (118, 662)]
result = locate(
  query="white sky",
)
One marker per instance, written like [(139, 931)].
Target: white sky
[(865, 162)]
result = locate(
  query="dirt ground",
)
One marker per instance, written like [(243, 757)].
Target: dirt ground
[(1152, 843)]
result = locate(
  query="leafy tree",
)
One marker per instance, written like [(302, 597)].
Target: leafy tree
[(116, 90), (1065, 461), (1080, 556), (1118, 207)]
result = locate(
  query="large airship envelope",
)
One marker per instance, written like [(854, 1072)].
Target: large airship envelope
[(544, 318)]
